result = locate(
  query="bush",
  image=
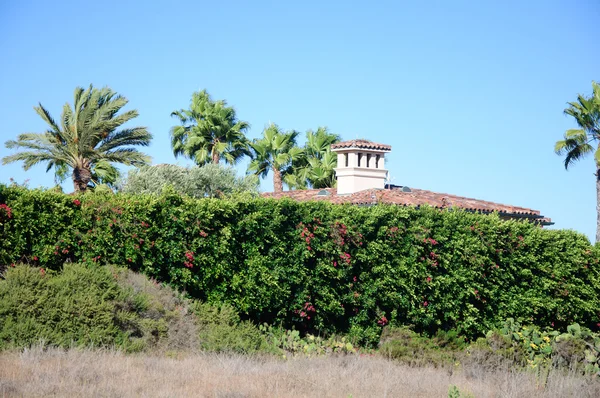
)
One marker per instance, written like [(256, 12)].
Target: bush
[(316, 267), (221, 330), (211, 180), (404, 345), (82, 306)]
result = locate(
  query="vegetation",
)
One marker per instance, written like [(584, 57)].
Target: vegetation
[(90, 373), (87, 141), (577, 143), (276, 151), (315, 167), (108, 307), (81, 306), (211, 180), (423, 287), (209, 132), (317, 267)]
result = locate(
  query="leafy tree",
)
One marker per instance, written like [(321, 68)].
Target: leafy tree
[(577, 143), (275, 151), (87, 141), (316, 167), (209, 132), (212, 180)]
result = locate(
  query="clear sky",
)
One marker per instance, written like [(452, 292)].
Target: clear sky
[(470, 94)]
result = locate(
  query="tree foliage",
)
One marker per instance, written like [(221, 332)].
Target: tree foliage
[(212, 180), (276, 151), (315, 168), (87, 140), (578, 143), (209, 131)]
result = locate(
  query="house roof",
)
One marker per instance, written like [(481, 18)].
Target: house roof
[(412, 197), (361, 144)]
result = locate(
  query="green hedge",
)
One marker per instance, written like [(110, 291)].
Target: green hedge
[(317, 266)]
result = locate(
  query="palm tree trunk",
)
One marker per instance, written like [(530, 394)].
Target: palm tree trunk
[(277, 182), (215, 157), (597, 203), (81, 178)]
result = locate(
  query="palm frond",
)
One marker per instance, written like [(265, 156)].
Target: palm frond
[(87, 134)]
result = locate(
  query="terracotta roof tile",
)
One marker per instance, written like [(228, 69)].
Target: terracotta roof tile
[(361, 144), (416, 197)]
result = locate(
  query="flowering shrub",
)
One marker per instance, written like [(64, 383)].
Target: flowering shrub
[(317, 267)]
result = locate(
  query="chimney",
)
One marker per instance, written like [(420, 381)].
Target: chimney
[(360, 165)]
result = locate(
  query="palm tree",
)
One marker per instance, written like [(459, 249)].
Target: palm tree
[(316, 167), (209, 131), (87, 141), (275, 151), (577, 143)]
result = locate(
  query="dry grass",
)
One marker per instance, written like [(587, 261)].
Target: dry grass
[(88, 373)]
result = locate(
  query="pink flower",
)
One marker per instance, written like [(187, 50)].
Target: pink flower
[(428, 279), (42, 271), (35, 258), (7, 210), (425, 303), (77, 202)]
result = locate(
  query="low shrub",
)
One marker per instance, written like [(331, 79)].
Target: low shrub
[(221, 330), (84, 306), (406, 346)]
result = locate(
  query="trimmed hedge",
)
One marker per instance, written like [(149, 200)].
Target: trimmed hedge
[(319, 267)]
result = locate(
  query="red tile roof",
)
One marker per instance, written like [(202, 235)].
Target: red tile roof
[(415, 197), (361, 144)]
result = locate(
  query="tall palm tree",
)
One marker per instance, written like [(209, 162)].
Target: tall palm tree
[(316, 167), (209, 132), (275, 151), (87, 140), (577, 143)]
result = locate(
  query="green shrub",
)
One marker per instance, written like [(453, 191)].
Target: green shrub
[(211, 180), (405, 345), (80, 306), (221, 330), (316, 267)]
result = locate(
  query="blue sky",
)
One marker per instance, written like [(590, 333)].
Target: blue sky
[(470, 94)]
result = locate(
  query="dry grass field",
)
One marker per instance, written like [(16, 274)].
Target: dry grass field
[(89, 373)]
